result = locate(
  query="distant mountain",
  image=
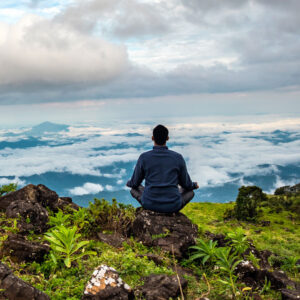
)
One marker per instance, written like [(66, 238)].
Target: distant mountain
[(46, 127)]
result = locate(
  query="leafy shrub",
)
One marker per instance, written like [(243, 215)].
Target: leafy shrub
[(4, 189), (115, 217), (80, 218), (247, 202), (65, 245), (59, 219)]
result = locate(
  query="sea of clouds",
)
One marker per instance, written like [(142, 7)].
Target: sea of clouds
[(86, 161)]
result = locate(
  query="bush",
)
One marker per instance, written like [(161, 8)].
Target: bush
[(247, 201), (115, 217), (4, 189)]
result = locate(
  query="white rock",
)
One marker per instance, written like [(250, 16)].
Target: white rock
[(126, 286)]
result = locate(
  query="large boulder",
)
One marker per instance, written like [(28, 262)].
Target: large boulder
[(26, 193), (37, 194), (162, 287), (33, 193), (33, 216), (105, 284), (169, 231), (15, 288), (19, 249), (255, 278)]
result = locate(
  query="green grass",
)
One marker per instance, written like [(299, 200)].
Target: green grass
[(282, 237)]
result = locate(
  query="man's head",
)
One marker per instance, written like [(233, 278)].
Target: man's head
[(160, 135)]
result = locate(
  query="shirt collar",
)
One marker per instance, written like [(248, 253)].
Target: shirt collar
[(159, 147)]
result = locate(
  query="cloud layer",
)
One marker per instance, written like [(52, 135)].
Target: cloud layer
[(92, 50), (38, 52), (216, 153)]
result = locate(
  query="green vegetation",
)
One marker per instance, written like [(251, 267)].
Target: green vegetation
[(4, 189), (247, 203), (238, 240), (103, 216), (222, 261), (65, 243), (76, 252), (204, 250)]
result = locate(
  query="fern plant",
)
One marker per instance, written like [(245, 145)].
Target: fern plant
[(239, 240), (65, 245), (204, 250)]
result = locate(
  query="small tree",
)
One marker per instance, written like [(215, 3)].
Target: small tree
[(247, 201)]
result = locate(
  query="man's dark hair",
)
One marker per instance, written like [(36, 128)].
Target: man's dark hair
[(160, 134)]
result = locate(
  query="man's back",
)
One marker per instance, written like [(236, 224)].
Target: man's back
[(162, 170)]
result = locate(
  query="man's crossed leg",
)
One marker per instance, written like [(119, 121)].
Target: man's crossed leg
[(186, 195)]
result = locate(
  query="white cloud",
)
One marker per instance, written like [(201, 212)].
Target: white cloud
[(18, 181), (38, 50), (86, 189), (78, 158), (281, 182), (109, 187)]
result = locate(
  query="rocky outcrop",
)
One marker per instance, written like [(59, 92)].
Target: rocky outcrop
[(19, 249), (33, 216), (161, 287), (106, 284), (287, 190), (33, 193), (171, 232), (36, 194), (15, 288), (30, 204), (255, 278)]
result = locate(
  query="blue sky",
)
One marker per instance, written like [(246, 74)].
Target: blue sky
[(121, 59)]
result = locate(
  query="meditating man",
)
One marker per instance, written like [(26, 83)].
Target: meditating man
[(168, 187)]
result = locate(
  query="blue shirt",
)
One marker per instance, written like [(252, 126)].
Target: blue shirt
[(163, 170)]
